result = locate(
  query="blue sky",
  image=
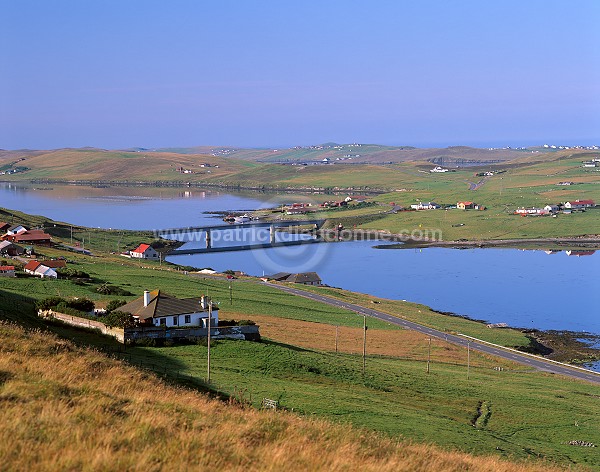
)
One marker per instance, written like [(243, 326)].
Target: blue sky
[(273, 73)]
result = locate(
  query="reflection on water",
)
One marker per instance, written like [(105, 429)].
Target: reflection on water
[(136, 207), (521, 288)]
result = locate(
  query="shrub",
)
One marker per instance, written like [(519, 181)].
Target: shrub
[(114, 304), (49, 303), (119, 319), (81, 304), (70, 273), (64, 307), (246, 323), (107, 289)]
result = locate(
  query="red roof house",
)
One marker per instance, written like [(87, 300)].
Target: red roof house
[(34, 236), (144, 251), (580, 204), (7, 271)]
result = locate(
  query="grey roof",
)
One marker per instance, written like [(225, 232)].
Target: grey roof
[(162, 305), (279, 276), (304, 277)]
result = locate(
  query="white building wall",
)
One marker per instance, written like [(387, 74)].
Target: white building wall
[(196, 319)]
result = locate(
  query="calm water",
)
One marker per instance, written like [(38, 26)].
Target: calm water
[(528, 289), (521, 288), (134, 207)]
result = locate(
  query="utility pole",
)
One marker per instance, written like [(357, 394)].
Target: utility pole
[(429, 355), (208, 340), (364, 343), (230, 293), (71, 235), (336, 338)]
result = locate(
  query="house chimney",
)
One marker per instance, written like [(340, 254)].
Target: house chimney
[(146, 298), (204, 302)]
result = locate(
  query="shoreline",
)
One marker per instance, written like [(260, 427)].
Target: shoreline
[(585, 242), (191, 184), (559, 345), (563, 344)]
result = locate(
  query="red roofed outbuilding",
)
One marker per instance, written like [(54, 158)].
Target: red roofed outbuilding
[(7, 271), (144, 251), (579, 204)]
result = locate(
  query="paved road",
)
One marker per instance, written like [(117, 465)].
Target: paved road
[(533, 362)]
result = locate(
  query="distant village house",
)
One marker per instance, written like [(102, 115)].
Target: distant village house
[(40, 270), (425, 206), (7, 271), (8, 248), (144, 251), (304, 278), (469, 206), (532, 211), (579, 204)]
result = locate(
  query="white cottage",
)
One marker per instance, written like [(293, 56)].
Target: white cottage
[(155, 308), (144, 251)]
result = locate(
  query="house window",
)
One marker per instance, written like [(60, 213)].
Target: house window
[(175, 320), (188, 319), (163, 321)]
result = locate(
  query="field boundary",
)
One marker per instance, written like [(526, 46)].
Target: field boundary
[(583, 369)]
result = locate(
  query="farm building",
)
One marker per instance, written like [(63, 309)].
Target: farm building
[(7, 271), (144, 251)]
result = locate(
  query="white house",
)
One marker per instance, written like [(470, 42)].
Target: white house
[(144, 251), (40, 270), (14, 230), (551, 208), (438, 169), (579, 204), (532, 211), (425, 206), (155, 308)]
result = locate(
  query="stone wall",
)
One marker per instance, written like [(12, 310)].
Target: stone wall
[(118, 333), (247, 333)]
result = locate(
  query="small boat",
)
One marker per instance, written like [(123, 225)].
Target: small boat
[(242, 219)]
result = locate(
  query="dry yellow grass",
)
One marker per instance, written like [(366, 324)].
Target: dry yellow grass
[(395, 343), (66, 408)]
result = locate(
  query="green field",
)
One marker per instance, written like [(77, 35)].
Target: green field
[(514, 412), (527, 181), (532, 414)]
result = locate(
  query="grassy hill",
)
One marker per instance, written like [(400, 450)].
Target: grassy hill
[(70, 408), (102, 165), (250, 168), (65, 406), (358, 153)]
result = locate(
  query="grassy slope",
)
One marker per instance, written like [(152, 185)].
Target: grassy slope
[(95, 164), (533, 185), (396, 397), (367, 153), (71, 409)]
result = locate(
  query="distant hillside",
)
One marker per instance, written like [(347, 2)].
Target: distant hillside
[(354, 153), (101, 165), (372, 167)]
